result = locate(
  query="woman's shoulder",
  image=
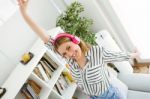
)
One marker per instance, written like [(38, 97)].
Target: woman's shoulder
[(97, 47), (49, 43)]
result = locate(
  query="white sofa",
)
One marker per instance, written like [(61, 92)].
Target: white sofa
[(134, 85)]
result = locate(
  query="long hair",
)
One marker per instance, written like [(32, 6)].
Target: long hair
[(84, 46)]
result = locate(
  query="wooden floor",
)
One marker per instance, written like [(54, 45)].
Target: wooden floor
[(143, 69)]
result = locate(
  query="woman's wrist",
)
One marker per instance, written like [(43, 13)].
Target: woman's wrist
[(135, 56), (24, 12)]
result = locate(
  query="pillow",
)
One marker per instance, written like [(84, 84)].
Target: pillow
[(119, 84)]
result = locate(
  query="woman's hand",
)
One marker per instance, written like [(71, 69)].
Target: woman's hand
[(33, 25), (23, 5), (135, 55)]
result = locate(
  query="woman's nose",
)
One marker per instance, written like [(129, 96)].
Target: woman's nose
[(69, 54)]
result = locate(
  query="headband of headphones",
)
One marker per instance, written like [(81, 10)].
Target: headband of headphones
[(73, 38)]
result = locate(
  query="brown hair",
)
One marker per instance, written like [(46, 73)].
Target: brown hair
[(84, 46)]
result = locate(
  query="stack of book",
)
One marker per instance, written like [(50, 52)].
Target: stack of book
[(45, 68), (62, 84), (31, 90)]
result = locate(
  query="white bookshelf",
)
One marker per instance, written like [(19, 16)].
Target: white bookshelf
[(54, 95), (69, 91), (22, 73)]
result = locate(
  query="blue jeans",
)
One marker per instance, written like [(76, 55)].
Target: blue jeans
[(111, 93)]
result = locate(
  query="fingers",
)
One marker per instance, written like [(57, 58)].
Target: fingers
[(25, 0), (23, 5), (21, 2)]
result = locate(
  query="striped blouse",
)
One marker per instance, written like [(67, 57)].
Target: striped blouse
[(93, 79)]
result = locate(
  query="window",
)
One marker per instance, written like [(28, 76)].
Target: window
[(135, 17)]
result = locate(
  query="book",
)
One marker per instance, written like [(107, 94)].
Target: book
[(46, 69), (43, 73), (50, 61), (63, 82), (37, 88), (59, 89), (38, 73), (61, 85), (25, 92), (54, 88), (48, 65), (32, 92)]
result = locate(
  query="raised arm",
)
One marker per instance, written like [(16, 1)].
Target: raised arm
[(34, 26), (110, 56)]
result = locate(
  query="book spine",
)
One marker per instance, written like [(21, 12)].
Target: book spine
[(54, 64), (46, 69), (43, 73), (34, 86), (31, 91), (38, 73)]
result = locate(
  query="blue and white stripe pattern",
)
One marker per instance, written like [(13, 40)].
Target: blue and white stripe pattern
[(94, 78)]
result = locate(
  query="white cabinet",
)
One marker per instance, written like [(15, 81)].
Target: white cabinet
[(22, 73)]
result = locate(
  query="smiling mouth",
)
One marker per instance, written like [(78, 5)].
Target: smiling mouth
[(74, 55)]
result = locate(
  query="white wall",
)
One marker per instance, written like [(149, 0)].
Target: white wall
[(117, 29), (16, 37), (105, 18)]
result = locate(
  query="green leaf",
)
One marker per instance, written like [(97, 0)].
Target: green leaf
[(71, 22)]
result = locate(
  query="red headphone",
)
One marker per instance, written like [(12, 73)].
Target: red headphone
[(74, 39)]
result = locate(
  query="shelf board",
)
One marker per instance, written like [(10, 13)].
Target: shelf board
[(69, 91), (46, 89), (54, 95), (56, 74)]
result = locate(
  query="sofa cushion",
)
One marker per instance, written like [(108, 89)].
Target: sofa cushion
[(112, 71), (136, 81), (124, 67), (138, 95)]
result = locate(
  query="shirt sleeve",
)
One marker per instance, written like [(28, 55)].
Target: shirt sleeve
[(49, 44), (111, 56)]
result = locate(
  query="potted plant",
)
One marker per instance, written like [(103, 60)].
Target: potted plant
[(72, 22)]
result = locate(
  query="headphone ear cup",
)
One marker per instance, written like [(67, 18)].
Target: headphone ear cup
[(76, 40)]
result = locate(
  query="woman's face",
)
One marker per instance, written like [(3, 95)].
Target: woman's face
[(70, 50)]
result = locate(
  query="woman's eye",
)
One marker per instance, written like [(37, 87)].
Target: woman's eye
[(64, 55), (68, 47)]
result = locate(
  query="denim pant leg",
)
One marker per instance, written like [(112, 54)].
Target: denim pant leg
[(111, 93)]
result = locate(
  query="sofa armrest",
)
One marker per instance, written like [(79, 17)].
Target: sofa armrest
[(138, 82), (124, 67)]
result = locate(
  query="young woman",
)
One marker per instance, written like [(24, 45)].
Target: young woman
[(87, 63)]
